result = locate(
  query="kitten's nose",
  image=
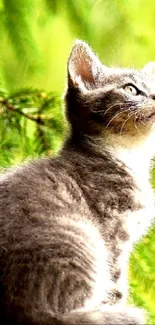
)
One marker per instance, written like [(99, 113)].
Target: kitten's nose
[(153, 96)]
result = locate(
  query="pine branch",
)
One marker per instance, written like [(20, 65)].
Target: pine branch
[(41, 134), (17, 113), (11, 107), (17, 101)]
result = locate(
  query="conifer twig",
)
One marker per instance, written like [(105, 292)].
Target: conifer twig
[(12, 108)]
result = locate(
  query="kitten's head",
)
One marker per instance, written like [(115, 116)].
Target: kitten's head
[(103, 101)]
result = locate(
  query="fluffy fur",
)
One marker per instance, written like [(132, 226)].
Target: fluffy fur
[(68, 224)]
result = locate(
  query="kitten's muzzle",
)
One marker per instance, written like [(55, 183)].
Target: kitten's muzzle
[(147, 113)]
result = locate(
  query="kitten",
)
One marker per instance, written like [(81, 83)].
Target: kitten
[(68, 224)]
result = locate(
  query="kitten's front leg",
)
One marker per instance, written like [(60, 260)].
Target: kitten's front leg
[(123, 315), (107, 315)]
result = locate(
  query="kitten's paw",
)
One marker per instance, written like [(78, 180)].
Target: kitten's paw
[(137, 315), (124, 315), (108, 315)]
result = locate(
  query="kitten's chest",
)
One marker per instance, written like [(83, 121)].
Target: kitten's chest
[(140, 219), (136, 224)]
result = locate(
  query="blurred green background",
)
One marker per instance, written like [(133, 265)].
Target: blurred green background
[(35, 40)]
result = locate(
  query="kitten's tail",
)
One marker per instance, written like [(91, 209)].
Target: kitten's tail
[(106, 315)]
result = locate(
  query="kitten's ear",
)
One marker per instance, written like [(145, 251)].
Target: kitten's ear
[(84, 67), (149, 68)]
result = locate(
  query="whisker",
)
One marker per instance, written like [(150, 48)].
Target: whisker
[(138, 129), (146, 106), (115, 105), (116, 115), (120, 104), (110, 107), (130, 108), (142, 122), (142, 108), (121, 130)]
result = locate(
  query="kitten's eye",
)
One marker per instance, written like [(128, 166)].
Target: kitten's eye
[(131, 89)]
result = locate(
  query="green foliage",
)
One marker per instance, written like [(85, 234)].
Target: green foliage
[(35, 39), (142, 275), (30, 125), (21, 13)]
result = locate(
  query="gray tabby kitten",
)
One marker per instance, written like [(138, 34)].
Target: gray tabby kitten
[(68, 224)]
